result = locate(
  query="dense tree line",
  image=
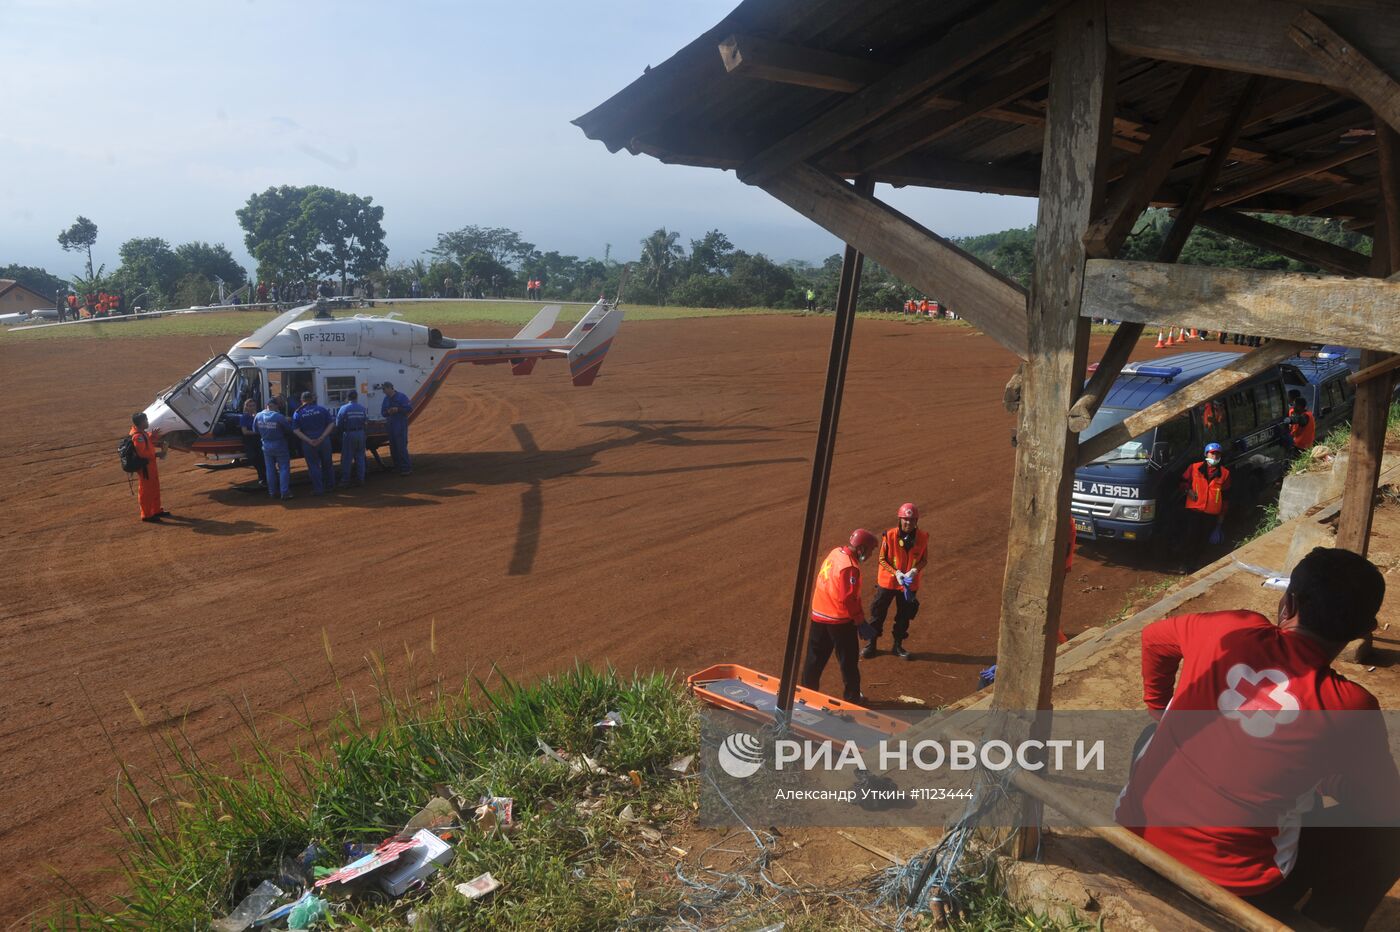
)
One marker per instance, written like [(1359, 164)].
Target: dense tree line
[(1011, 252), (299, 234)]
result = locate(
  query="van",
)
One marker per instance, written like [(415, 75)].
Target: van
[(1321, 377), (1132, 493)]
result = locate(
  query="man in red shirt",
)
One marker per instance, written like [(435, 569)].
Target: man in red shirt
[(1241, 753), (836, 615)]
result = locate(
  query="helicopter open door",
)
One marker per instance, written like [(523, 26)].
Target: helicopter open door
[(199, 399)]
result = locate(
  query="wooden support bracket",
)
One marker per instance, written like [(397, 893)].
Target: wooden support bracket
[(994, 304), (1348, 66), (1221, 380)]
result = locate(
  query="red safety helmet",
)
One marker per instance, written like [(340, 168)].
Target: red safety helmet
[(861, 539), (909, 510)]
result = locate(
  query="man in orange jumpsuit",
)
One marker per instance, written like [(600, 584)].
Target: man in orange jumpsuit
[(837, 614), (903, 556), (149, 448)]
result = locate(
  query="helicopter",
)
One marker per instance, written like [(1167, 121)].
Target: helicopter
[(333, 356)]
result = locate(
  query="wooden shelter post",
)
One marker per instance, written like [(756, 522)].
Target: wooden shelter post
[(1078, 127), (1372, 403)]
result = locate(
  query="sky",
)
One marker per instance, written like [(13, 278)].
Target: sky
[(161, 118)]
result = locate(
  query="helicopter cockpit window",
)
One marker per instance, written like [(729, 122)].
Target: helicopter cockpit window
[(199, 399)]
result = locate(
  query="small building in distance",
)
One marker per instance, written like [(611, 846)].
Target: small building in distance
[(18, 299)]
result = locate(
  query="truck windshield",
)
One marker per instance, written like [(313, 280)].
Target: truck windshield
[(1137, 450)]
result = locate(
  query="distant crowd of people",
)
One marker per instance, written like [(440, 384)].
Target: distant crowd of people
[(923, 307), (72, 306)]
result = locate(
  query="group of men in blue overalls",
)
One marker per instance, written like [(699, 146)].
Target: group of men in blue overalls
[(317, 427)]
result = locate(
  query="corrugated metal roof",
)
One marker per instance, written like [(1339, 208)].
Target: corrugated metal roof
[(691, 110)]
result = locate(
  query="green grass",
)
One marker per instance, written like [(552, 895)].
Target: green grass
[(447, 314), (1338, 440), (1268, 520), (199, 838)]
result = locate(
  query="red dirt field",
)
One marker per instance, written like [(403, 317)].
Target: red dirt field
[(650, 521)]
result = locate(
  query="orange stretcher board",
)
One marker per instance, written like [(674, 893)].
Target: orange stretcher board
[(815, 715)]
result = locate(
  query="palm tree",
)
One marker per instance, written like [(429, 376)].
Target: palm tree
[(660, 255)]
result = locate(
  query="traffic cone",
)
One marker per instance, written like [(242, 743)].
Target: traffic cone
[(1160, 344), (1194, 334)]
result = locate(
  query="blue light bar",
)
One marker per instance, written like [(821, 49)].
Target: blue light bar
[(1157, 372)]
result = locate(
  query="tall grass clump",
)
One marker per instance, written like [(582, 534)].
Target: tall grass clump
[(199, 837)]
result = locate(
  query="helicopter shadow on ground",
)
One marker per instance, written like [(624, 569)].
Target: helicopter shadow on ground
[(442, 475), (216, 528)]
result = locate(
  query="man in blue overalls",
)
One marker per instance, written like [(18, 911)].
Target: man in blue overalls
[(395, 410), (272, 426), (313, 424), (350, 418)]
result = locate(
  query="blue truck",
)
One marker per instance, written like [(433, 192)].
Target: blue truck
[(1132, 493)]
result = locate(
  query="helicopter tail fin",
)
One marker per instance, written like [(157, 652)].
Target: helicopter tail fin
[(589, 321), (540, 324), (586, 356)]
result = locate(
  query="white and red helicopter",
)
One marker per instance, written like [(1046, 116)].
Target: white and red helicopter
[(332, 356)]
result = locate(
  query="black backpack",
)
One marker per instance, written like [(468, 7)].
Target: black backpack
[(130, 459)]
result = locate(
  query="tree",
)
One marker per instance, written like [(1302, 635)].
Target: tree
[(661, 254), (296, 233), (211, 261), (349, 231), (80, 236), (149, 264), (35, 279), (759, 281), (277, 236), (505, 247), (712, 254)]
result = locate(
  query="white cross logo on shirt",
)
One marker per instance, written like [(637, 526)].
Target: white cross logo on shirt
[(1258, 700)]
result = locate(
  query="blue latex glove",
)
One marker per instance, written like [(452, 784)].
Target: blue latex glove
[(1217, 536), (866, 631)]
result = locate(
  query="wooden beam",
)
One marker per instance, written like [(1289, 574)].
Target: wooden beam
[(1125, 338), (994, 304), (1291, 172), (1387, 364), (1332, 198), (766, 60), (1131, 196), (1291, 243), (965, 43), (1385, 246), (1195, 203), (1348, 65), (993, 93), (1247, 35), (1372, 404), (1296, 306), (1221, 380), (1077, 140)]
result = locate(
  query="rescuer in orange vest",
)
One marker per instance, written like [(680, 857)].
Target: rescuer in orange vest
[(1207, 486), (903, 556), (1302, 426), (838, 620), (923, 306), (149, 449)]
